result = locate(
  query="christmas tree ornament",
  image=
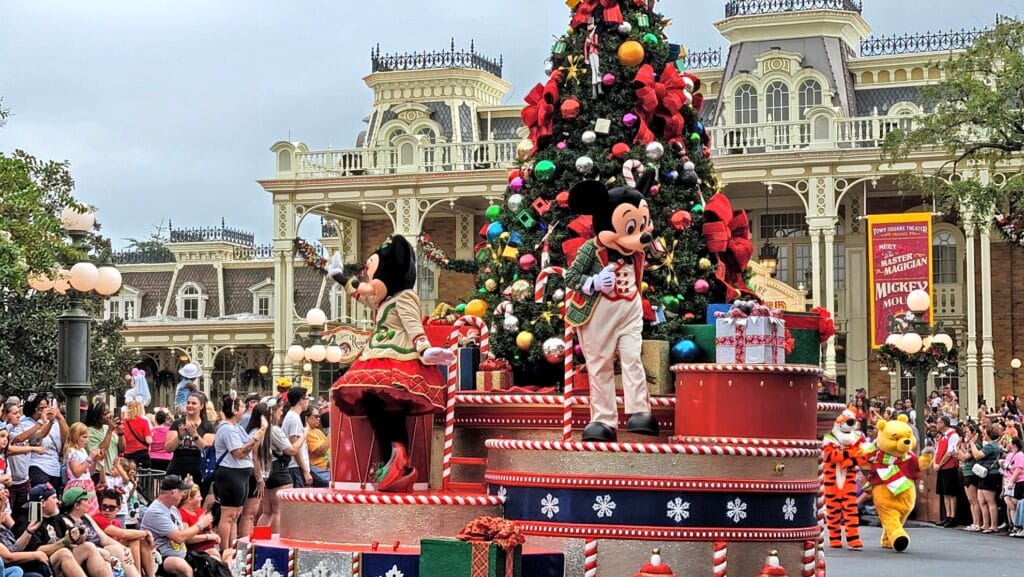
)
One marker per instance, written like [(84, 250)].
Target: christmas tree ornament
[(643, 20), (515, 202), (554, 350), (584, 164), (619, 149), (625, 28), (632, 169), (524, 149), (592, 52), (514, 174), (494, 230), (491, 285), (520, 290), (704, 263), (558, 295), (671, 175), (589, 137), (671, 303), (516, 185), (629, 119), (511, 323), (655, 151), (651, 40), (654, 190), (680, 220), (701, 286), (684, 351), (525, 218), (460, 308), (608, 79), (524, 340), (631, 53), (689, 166), (562, 145), (570, 108), (695, 138), (545, 170), (493, 213), (476, 308), (697, 209), (602, 126), (562, 199), (527, 262), (541, 205), (689, 178), (573, 68), (549, 67)]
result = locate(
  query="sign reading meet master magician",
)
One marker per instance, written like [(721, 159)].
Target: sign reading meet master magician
[(901, 261)]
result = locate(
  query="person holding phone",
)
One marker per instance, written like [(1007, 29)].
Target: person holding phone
[(31, 563), (65, 546), (187, 438), (163, 521), (103, 437), (233, 481), (44, 467)]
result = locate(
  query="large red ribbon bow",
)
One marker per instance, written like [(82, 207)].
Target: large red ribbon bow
[(826, 326), (585, 11), (659, 101), (727, 234), (539, 113)]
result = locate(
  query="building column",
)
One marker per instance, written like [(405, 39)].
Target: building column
[(348, 239), (407, 216), (830, 294), (284, 287), (988, 363), (816, 267), (464, 235), (858, 349), (969, 401)]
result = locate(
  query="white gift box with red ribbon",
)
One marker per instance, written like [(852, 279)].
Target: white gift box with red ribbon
[(755, 338)]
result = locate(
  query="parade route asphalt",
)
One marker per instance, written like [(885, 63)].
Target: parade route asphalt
[(933, 552)]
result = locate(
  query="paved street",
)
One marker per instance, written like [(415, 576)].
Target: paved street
[(933, 553)]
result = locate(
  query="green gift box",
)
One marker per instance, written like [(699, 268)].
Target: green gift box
[(704, 337), (803, 329), (558, 48), (441, 557), (643, 20)]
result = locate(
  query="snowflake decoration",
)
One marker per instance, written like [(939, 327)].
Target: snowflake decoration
[(604, 506), (736, 510), (394, 572), (678, 509), (502, 492), (238, 564), (789, 509), (321, 570), (549, 506), (268, 570)]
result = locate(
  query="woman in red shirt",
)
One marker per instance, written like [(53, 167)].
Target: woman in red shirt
[(138, 435), (191, 510)]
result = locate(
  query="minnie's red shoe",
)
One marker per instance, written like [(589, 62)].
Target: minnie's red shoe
[(396, 476)]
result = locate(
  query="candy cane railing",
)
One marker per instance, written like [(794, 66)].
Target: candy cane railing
[(449, 458), (539, 290)]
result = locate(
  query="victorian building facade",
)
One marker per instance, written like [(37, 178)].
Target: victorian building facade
[(797, 105)]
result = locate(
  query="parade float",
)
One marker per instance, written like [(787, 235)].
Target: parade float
[(722, 468)]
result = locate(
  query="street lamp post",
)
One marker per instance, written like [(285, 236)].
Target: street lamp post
[(74, 324), (918, 338), (315, 351)]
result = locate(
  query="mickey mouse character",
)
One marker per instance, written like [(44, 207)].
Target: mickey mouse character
[(606, 308), (395, 376)]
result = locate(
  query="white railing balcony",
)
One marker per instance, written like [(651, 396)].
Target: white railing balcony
[(949, 300), (408, 156), (821, 131)]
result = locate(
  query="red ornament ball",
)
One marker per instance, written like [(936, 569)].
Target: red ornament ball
[(608, 79), (562, 198), (570, 109), (514, 174), (701, 286), (680, 220), (619, 149)]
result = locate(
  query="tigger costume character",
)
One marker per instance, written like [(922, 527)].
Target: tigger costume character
[(841, 453)]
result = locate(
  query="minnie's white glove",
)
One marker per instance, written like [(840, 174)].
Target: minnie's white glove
[(438, 356)]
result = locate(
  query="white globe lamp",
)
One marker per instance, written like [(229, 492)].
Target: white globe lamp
[(109, 281), (911, 343), (918, 301), (334, 354), (316, 353), (1015, 363), (62, 284), (316, 317), (84, 276), (296, 353), (893, 340), (74, 220), (944, 340), (40, 282)]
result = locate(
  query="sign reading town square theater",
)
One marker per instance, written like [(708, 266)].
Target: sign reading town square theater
[(901, 261)]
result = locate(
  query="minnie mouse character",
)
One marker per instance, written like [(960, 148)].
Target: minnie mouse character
[(606, 308), (395, 376)]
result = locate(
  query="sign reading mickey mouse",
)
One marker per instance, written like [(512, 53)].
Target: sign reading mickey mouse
[(606, 308), (396, 375)]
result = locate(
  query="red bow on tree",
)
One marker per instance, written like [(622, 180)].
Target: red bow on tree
[(583, 227), (727, 234), (585, 11), (659, 101), (826, 326), (539, 113)]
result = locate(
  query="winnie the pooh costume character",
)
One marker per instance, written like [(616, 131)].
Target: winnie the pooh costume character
[(892, 467)]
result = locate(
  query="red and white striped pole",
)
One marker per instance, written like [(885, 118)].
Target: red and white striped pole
[(821, 498), (355, 564), (720, 560), (539, 290), (453, 389), (809, 561), (590, 558)]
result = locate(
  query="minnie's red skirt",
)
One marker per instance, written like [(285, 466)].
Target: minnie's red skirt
[(409, 387)]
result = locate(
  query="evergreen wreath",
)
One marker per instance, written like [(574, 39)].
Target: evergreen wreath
[(435, 255)]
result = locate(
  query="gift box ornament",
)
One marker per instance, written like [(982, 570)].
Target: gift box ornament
[(558, 48), (468, 362), (655, 357), (755, 338), (487, 547), (643, 20), (494, 375)]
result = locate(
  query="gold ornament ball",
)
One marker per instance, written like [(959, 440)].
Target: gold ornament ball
[(704, 263), (521, 290), (644, 287), (476, 308), (631, 53), (524, 340), (491, 285), (524, 149)]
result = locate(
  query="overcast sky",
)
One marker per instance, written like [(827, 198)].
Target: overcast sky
[(166, 109)]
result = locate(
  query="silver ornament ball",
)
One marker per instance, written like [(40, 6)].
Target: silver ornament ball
[(549, 67), (689, 166), (625, 28), (515, 202), (655, 151), (559, 294), (511, 323), (554, 350), (589, 137), (584, 164)]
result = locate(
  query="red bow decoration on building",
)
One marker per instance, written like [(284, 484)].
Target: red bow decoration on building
[(659, 101), (727, 234), (826, 326), (539, 113), (585, 11)]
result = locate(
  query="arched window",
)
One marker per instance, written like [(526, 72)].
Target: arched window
[(777, 102), (191, 302), (426, 282), (945, 260), (810, 96), (745, 105)]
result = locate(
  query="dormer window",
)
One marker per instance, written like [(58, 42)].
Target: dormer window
[(191, 302), (263, 298), (125, 305)]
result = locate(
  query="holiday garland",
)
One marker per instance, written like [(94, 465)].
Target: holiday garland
[(434, 254), (310, 256), (1012, 228), (934, 357)]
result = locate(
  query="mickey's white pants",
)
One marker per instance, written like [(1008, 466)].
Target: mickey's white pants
[(616, 325)]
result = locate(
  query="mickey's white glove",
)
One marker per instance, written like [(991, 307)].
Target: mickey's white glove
[(438, 356), (603, 281)]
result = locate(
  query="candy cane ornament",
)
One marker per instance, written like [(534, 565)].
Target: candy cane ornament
[(453, 388), (539, 290), (590, 558), (809, 559), (720, 559), (631, 169), (541, 285)]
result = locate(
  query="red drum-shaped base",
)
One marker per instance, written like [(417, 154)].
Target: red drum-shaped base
[(355, 450), (753, 401)]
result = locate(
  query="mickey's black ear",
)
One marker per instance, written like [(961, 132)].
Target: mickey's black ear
[(404, 254), (647, 182), (588, 197)]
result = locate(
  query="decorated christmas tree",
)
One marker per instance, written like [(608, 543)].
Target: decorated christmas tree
[(619, 106)]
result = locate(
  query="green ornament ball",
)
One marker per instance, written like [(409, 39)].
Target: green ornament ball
[(545, 170), (493, 212), (697, 209), (695, 138), (651, 39), (460, 308), (671, 303)]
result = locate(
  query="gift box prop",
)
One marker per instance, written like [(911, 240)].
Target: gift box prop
[(487, 547), (750, 333), (805, 334), (655, 357), (355, 450), (494, 375)]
